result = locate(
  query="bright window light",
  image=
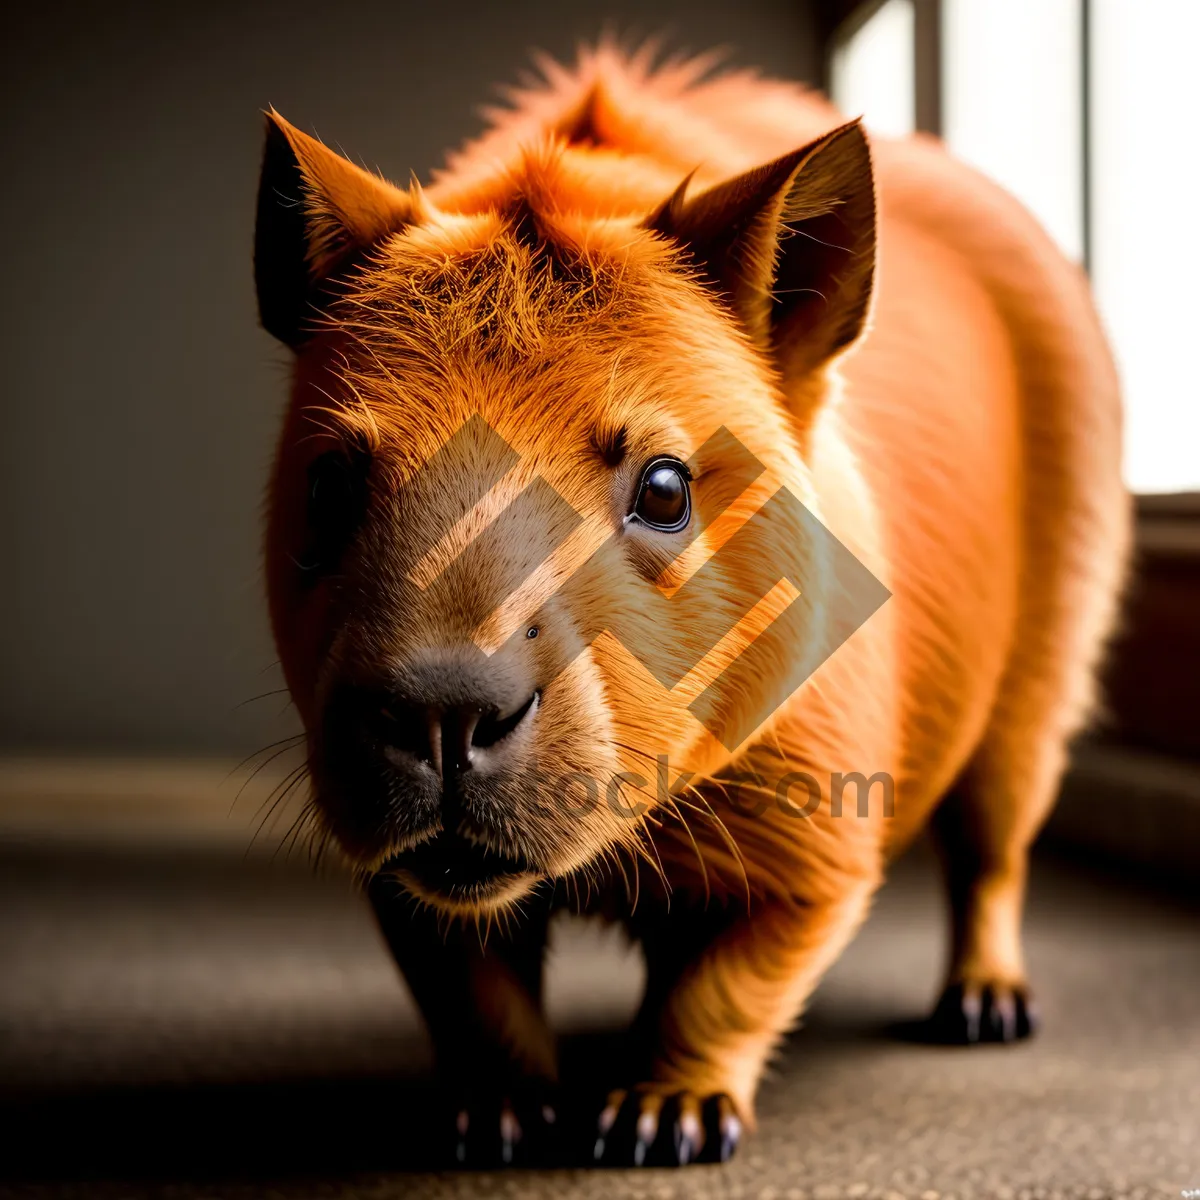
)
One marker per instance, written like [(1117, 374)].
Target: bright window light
[(1145, 255), (1012, 101), (872, 71)]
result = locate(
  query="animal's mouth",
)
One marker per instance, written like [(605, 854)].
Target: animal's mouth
[(451, 866)]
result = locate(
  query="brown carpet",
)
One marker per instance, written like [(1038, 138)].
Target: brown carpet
[(199, 1024)]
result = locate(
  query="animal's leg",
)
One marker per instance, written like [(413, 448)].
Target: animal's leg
[(984, 829), (1075, 540), (987, 825), (712, 1019), (481, 997)]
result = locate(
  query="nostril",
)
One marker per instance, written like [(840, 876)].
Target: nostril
[(413, 731), (492, 727)]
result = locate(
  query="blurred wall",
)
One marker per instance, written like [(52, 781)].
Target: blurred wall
[(140, 398)]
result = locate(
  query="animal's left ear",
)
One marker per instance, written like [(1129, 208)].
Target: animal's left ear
[(790, 245)]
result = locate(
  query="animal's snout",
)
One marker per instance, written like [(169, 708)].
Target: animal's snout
[(427, 759), (449, 736), (436, 722)]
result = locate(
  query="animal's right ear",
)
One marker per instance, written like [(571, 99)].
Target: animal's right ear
[(316, 212)]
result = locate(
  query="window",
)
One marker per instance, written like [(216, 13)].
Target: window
[(1012, 103), (1144, 109), (1087, 111), (873, 70)]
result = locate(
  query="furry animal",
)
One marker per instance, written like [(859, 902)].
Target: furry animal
[(536, 405)]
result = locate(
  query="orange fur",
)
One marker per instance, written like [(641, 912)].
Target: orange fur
[(965, 448)]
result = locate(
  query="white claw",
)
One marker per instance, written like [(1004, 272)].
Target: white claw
[(689, 1136), (647, 1130), (647, 1126), (510, 1128), (731, 1134)]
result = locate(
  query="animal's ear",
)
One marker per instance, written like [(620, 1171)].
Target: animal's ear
[(790, 245), (316, 211)]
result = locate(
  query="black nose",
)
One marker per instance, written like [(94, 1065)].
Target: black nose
[(440, 716), (451, 737)]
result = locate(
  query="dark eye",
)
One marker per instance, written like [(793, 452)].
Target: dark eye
[(336, 497), (663, 499)]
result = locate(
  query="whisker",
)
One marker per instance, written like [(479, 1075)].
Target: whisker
[(727, 837), (284, 789), (261, 696), (284, 745)]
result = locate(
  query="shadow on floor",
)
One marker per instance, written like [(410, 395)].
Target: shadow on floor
[(198, 1027), (247, 1130)]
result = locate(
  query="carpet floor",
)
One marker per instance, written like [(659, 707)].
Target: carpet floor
[(196, 1024)]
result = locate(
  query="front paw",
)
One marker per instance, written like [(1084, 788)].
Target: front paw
[(506, 1127), (661, 1125)]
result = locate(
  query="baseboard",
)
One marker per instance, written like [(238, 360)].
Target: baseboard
[(204, 802), (1124, 805), (1134, 807)]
